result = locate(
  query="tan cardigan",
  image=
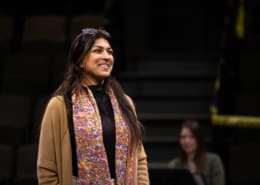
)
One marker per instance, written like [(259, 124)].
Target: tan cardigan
[(54, 164)]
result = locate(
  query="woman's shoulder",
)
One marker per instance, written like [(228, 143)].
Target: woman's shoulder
[(174, 163), (55, 102), (129, 99), (56, 99), (213, 157)]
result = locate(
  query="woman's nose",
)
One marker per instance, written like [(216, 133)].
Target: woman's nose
[(107, 55)]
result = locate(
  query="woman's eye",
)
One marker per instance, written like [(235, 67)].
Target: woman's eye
[(110, 52), (97, 50)]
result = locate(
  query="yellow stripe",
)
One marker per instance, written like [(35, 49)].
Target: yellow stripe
[(240, 27), (233, 120)]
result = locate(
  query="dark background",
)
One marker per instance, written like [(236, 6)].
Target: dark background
[(168, 57)]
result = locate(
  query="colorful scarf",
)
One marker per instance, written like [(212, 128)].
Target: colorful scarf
[(92, 161)]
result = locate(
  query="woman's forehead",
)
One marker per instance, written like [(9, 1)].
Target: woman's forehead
[(101, 42)]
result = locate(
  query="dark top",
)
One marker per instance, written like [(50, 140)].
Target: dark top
[(108, 126)]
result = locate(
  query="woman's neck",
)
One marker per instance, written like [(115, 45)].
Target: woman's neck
[(190, 156), (91, 82)]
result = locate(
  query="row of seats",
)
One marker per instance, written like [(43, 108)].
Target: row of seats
[(48, 29), (18, 164), (32, 72), (34, 50), (60, 7), (20, 118)]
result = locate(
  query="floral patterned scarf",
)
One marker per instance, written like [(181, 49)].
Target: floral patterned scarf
[(92, 161)]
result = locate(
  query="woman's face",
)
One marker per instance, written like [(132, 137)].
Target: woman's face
[(98, 62), (187, 141)]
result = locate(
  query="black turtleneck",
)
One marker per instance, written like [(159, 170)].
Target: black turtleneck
[(108, 126)]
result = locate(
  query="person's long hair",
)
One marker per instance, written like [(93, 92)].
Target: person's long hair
[(81, 45), (200, 153)]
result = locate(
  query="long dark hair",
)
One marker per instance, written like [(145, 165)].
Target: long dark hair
[(81, 45), (200, 154)]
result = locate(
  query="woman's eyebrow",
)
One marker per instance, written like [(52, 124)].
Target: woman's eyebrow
[(102, 47)]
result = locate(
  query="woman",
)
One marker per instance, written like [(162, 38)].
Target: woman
[(206, 168), (90, 133)]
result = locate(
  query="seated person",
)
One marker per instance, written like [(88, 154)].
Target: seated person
[(206, 168)]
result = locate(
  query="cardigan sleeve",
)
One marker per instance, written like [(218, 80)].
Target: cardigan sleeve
[(217, 169), (142, 168), (47, 172)]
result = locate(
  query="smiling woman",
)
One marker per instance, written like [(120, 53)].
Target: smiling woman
[(98, 63), (206, 167), (90, 133)]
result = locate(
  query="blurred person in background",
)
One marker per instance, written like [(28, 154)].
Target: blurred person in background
[(207, 168)]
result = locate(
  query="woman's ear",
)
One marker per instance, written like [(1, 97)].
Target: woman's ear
[(81, 65)]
